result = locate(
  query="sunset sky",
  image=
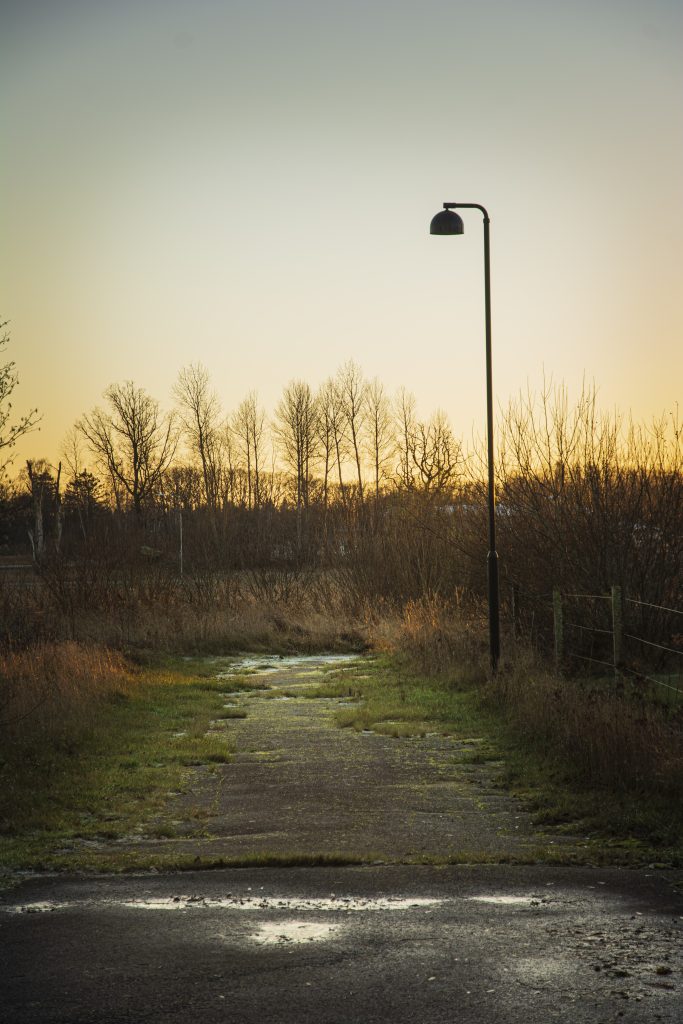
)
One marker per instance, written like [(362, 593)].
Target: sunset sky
[(249, 183)]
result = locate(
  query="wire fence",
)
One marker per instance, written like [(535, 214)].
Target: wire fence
[(636, 640)]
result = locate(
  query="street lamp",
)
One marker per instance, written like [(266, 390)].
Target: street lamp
[(447, 222)]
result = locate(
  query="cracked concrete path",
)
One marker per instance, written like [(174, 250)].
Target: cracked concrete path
[(301, 786)]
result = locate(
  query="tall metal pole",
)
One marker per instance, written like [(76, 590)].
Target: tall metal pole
[(492, 557)]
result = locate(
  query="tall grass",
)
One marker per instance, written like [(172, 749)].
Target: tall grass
[(439, 637), (601, 733), (594, 733), (275, 611), (50, 693)]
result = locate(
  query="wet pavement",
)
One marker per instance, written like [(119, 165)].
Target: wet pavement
[(399, 944)]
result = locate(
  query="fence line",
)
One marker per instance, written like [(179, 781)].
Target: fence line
[(595, 661), (618, 634)]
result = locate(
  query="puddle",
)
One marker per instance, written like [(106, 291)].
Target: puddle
[(508, 901), (43, 907), (273, 933), (332, 903), (266, 666), (301, 904)]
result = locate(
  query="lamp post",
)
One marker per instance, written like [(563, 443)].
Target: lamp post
[(447, 222)]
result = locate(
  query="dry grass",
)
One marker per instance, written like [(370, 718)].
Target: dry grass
[(592, 732), (218, 615), (605, 734), (437, 637), (50, 692)]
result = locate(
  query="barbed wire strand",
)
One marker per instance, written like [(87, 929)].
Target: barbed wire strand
[(596, 661), (589, 629), (650, 643), (659, 607), (651, 679)]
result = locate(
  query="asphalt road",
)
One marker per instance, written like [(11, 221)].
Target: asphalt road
[(485, 944)]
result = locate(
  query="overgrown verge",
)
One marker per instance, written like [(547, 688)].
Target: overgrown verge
[(593, 755), (92, 745), (103, 602), (593, 751), (50, 693)]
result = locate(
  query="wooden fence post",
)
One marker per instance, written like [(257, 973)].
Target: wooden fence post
[(617, 627), (180, 541), (516, 618), (558, 629)]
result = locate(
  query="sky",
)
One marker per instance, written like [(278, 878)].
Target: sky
[(249, 184)]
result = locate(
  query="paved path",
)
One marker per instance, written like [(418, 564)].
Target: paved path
[(377, 945), (300, 785)]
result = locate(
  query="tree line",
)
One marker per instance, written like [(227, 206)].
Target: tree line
[(346, 444), (350, 478)]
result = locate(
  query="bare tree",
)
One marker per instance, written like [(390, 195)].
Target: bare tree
[(435, 453), (248, 426), (352, 390), (43, 490), (11, 432), (132, 440), (82, 496), (201, 417), (71, 450), (327, 403), (230, 490), (332, 423), (296, 430), (592, 499), (379, 432), (59, 509), (183, 486), (405, 420)]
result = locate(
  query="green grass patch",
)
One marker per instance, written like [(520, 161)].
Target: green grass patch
[(230, 684), (129, 861), (394, 700), (642, 822), (627, 827), (338, 686), (217, 673), (113, 774)]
